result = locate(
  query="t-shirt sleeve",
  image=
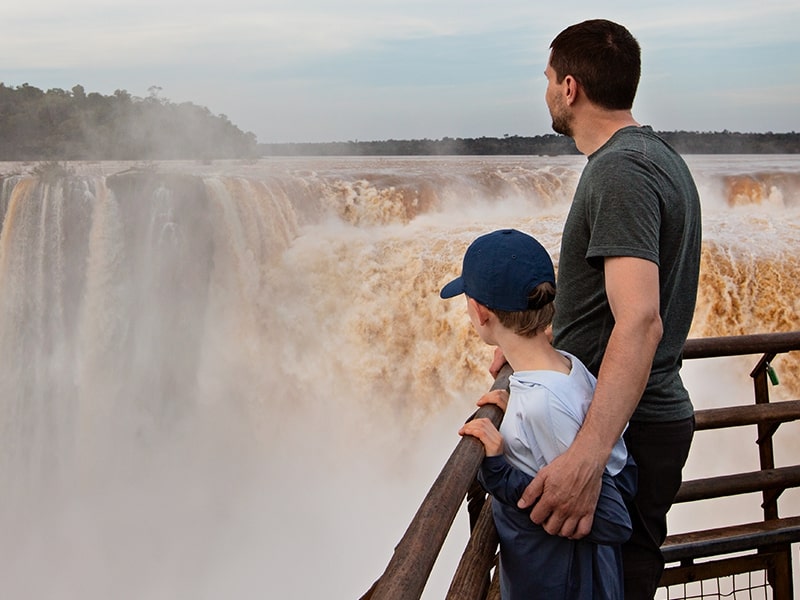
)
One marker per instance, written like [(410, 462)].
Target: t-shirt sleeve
[(623, 209), (502, 480), (612, 522)]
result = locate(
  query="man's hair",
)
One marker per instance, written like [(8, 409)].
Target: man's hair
[(528, 323), (603, 57)]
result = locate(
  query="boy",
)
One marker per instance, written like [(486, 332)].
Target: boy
[(509, 283)]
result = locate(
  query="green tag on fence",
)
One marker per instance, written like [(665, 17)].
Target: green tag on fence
[(773, 376)]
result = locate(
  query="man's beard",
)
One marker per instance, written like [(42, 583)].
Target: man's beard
[(562, 118), (562, 124)]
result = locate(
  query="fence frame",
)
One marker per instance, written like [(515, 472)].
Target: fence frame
[(410, 566)]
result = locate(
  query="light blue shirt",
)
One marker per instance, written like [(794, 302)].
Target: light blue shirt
[(545, 411)]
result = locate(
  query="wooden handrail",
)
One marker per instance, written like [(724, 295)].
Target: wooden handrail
[(735, 416), (414, 556), (472, 573), (740, 483), (734, 538), (758, 343)]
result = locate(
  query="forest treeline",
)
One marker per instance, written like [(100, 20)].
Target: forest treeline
[(685, 142), (74, 125)]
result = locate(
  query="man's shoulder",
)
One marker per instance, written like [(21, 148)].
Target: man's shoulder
[(633, 150), (633, 140)]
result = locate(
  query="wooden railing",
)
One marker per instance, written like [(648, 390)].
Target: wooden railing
[(763, 545), (411, 564), (721, 549)]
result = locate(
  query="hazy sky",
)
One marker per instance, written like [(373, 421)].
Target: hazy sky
[(326, 70)]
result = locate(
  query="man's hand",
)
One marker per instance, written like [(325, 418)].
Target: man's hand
[(567, 491)]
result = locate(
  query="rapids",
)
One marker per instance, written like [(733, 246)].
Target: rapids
[(237, 380)]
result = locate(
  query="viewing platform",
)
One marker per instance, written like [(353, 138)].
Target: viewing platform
[(705, 563)]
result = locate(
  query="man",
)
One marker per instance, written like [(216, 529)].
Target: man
[(627, 283)]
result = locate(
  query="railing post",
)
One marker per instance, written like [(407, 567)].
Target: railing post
[(765, 430), (779, 573)]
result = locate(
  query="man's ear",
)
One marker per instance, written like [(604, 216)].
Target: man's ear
[(570, 89)]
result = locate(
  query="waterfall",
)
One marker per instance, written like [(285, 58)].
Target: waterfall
[(237, 380)]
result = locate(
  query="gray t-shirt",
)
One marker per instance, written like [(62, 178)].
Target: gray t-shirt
[(636, 197)]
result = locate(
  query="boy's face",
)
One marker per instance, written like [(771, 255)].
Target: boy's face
[(483, 332), (473, 314)]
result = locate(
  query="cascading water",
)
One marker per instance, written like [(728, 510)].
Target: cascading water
[(238, 380)]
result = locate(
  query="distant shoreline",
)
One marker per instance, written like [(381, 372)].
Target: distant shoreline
[(56, 125), (685, 142)]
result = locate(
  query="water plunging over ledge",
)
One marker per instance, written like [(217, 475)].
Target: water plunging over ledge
[(219, 379)]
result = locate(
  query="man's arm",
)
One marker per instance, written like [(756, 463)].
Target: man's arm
[(567, 489)]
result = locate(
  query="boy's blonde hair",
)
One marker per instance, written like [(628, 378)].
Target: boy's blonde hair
[(529, 323)]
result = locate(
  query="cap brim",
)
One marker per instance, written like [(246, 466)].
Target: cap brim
[(452, 289)]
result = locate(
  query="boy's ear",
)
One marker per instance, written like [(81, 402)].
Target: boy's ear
[(480, 310)]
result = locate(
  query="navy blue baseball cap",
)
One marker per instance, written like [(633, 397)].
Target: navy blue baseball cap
[(501, 269)]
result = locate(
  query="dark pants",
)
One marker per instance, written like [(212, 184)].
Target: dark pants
[(660, 451)]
